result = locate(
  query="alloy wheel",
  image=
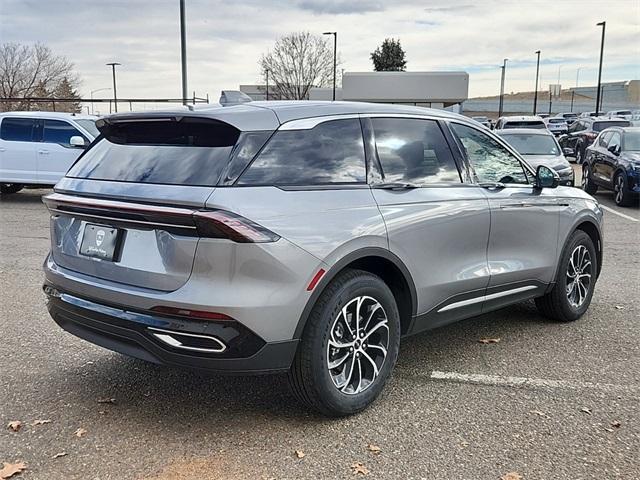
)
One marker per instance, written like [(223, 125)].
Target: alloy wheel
[(619, 189), (579, 272), (358, 345), (584, 181)]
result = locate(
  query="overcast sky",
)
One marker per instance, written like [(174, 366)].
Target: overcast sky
[(225, 38)]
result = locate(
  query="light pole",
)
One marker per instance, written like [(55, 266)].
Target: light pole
[(501, 104), (267, 73), (578, 75), (96, 91), (183, 51), (535, 94), (603, 24), (115, 97), (335, 47)]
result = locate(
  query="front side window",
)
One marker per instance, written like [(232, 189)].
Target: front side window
[(57, 131), (330, 153), (604, 138), (413, 151), (17, 129), (489, 160), (614, 141)]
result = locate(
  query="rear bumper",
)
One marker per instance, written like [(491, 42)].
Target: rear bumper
[(132, 333)]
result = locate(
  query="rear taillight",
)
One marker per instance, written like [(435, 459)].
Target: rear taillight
[(222, 224)]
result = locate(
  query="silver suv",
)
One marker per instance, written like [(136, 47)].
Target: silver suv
[(307, 237)]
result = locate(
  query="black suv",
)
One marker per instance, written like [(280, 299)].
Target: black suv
[(583, 132), (613, 162)]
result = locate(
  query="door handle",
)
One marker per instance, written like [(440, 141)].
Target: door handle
[(43, 152)]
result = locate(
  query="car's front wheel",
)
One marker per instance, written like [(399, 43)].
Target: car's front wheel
[(8, 188), (575, 281), (349, 346), (623, 196), (586, 181)]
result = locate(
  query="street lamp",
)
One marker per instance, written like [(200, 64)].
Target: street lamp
[(503, 67), (183, 51), (96, 91), (115, 97), (535, 94), (335, 47), (267, 74), (603, 25)]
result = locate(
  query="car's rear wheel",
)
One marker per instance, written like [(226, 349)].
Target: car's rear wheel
[(575, 281), (349, 346), (586, 181), (8, 188), (578, 153), (623, 196)]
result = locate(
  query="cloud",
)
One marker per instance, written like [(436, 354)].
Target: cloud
[(341, 7)]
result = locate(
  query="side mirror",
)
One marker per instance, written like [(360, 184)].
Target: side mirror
[(568, 152), (615, 149), (546, 178), (77, 141)]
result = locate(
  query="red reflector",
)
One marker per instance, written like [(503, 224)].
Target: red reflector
[(183, 312), (316, 278)]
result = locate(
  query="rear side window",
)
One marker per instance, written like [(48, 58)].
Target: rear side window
[(187, 152), (17, 129), (57, 131), (330, 153), (413, 151)]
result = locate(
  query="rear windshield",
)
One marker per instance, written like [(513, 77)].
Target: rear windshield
[(186, 152), (599, 126), (525, 124), (557, 120)]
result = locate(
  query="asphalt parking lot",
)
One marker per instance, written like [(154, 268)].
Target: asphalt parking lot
[(547, 401)]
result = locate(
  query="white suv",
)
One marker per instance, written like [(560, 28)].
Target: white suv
[(37, 148)]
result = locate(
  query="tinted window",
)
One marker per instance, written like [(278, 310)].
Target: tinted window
[(57, 131), (413, 151), (189, 152), (614, 141), (331, 152), (16, 129), (557, 120), (524, 124), (576, 126), (599, 126), (489, 160), (604, 138)]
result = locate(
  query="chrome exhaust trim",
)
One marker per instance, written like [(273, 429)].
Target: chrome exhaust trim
[(172, 338)]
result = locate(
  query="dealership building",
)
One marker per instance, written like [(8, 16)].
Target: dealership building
[(424, 89)]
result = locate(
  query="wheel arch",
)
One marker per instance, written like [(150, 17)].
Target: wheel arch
[(591, 229), (380, 262)]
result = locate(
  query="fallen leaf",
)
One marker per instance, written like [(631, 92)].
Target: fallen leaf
[(586, 410), (106, 400), (300, 454), (616, 424), (61, 454), (40, 422), (14, 425), (610, 430), (80, 432), (374, 448), (619, 307), (10, 469), (511, 476), (539, 413), (486, 341), (359, 469)]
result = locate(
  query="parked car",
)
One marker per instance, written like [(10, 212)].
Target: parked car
[(589, 114), (520, 122), (483, 120), (582, 134), (569, 117), (307, 237), (543, 115), (626, 114), (557, 126), (37, 148), (539, 147), (613, 163)]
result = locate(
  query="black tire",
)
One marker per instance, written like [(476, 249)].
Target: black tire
[(9, 188), (587, 182), (579, 154), (623, 197), (556, 304), (311, 379)]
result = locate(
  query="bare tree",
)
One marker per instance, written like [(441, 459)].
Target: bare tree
[(298, 62), (33, 71)]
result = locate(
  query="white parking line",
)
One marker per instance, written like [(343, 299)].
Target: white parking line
[(499, 380), (608, 209)]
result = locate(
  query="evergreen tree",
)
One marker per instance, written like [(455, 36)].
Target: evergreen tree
[(389, 57)]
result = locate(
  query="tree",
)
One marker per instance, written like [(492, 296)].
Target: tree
[(65, 90), (298, 62), (389, 57), (30, 71)]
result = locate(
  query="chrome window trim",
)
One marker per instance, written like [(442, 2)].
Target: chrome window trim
[(311, 122)]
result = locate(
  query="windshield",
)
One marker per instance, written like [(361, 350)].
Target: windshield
[(525, 124), (89, 125), (599, 126), (480, 119), (531, 144), (622, 112), (632, 141)]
